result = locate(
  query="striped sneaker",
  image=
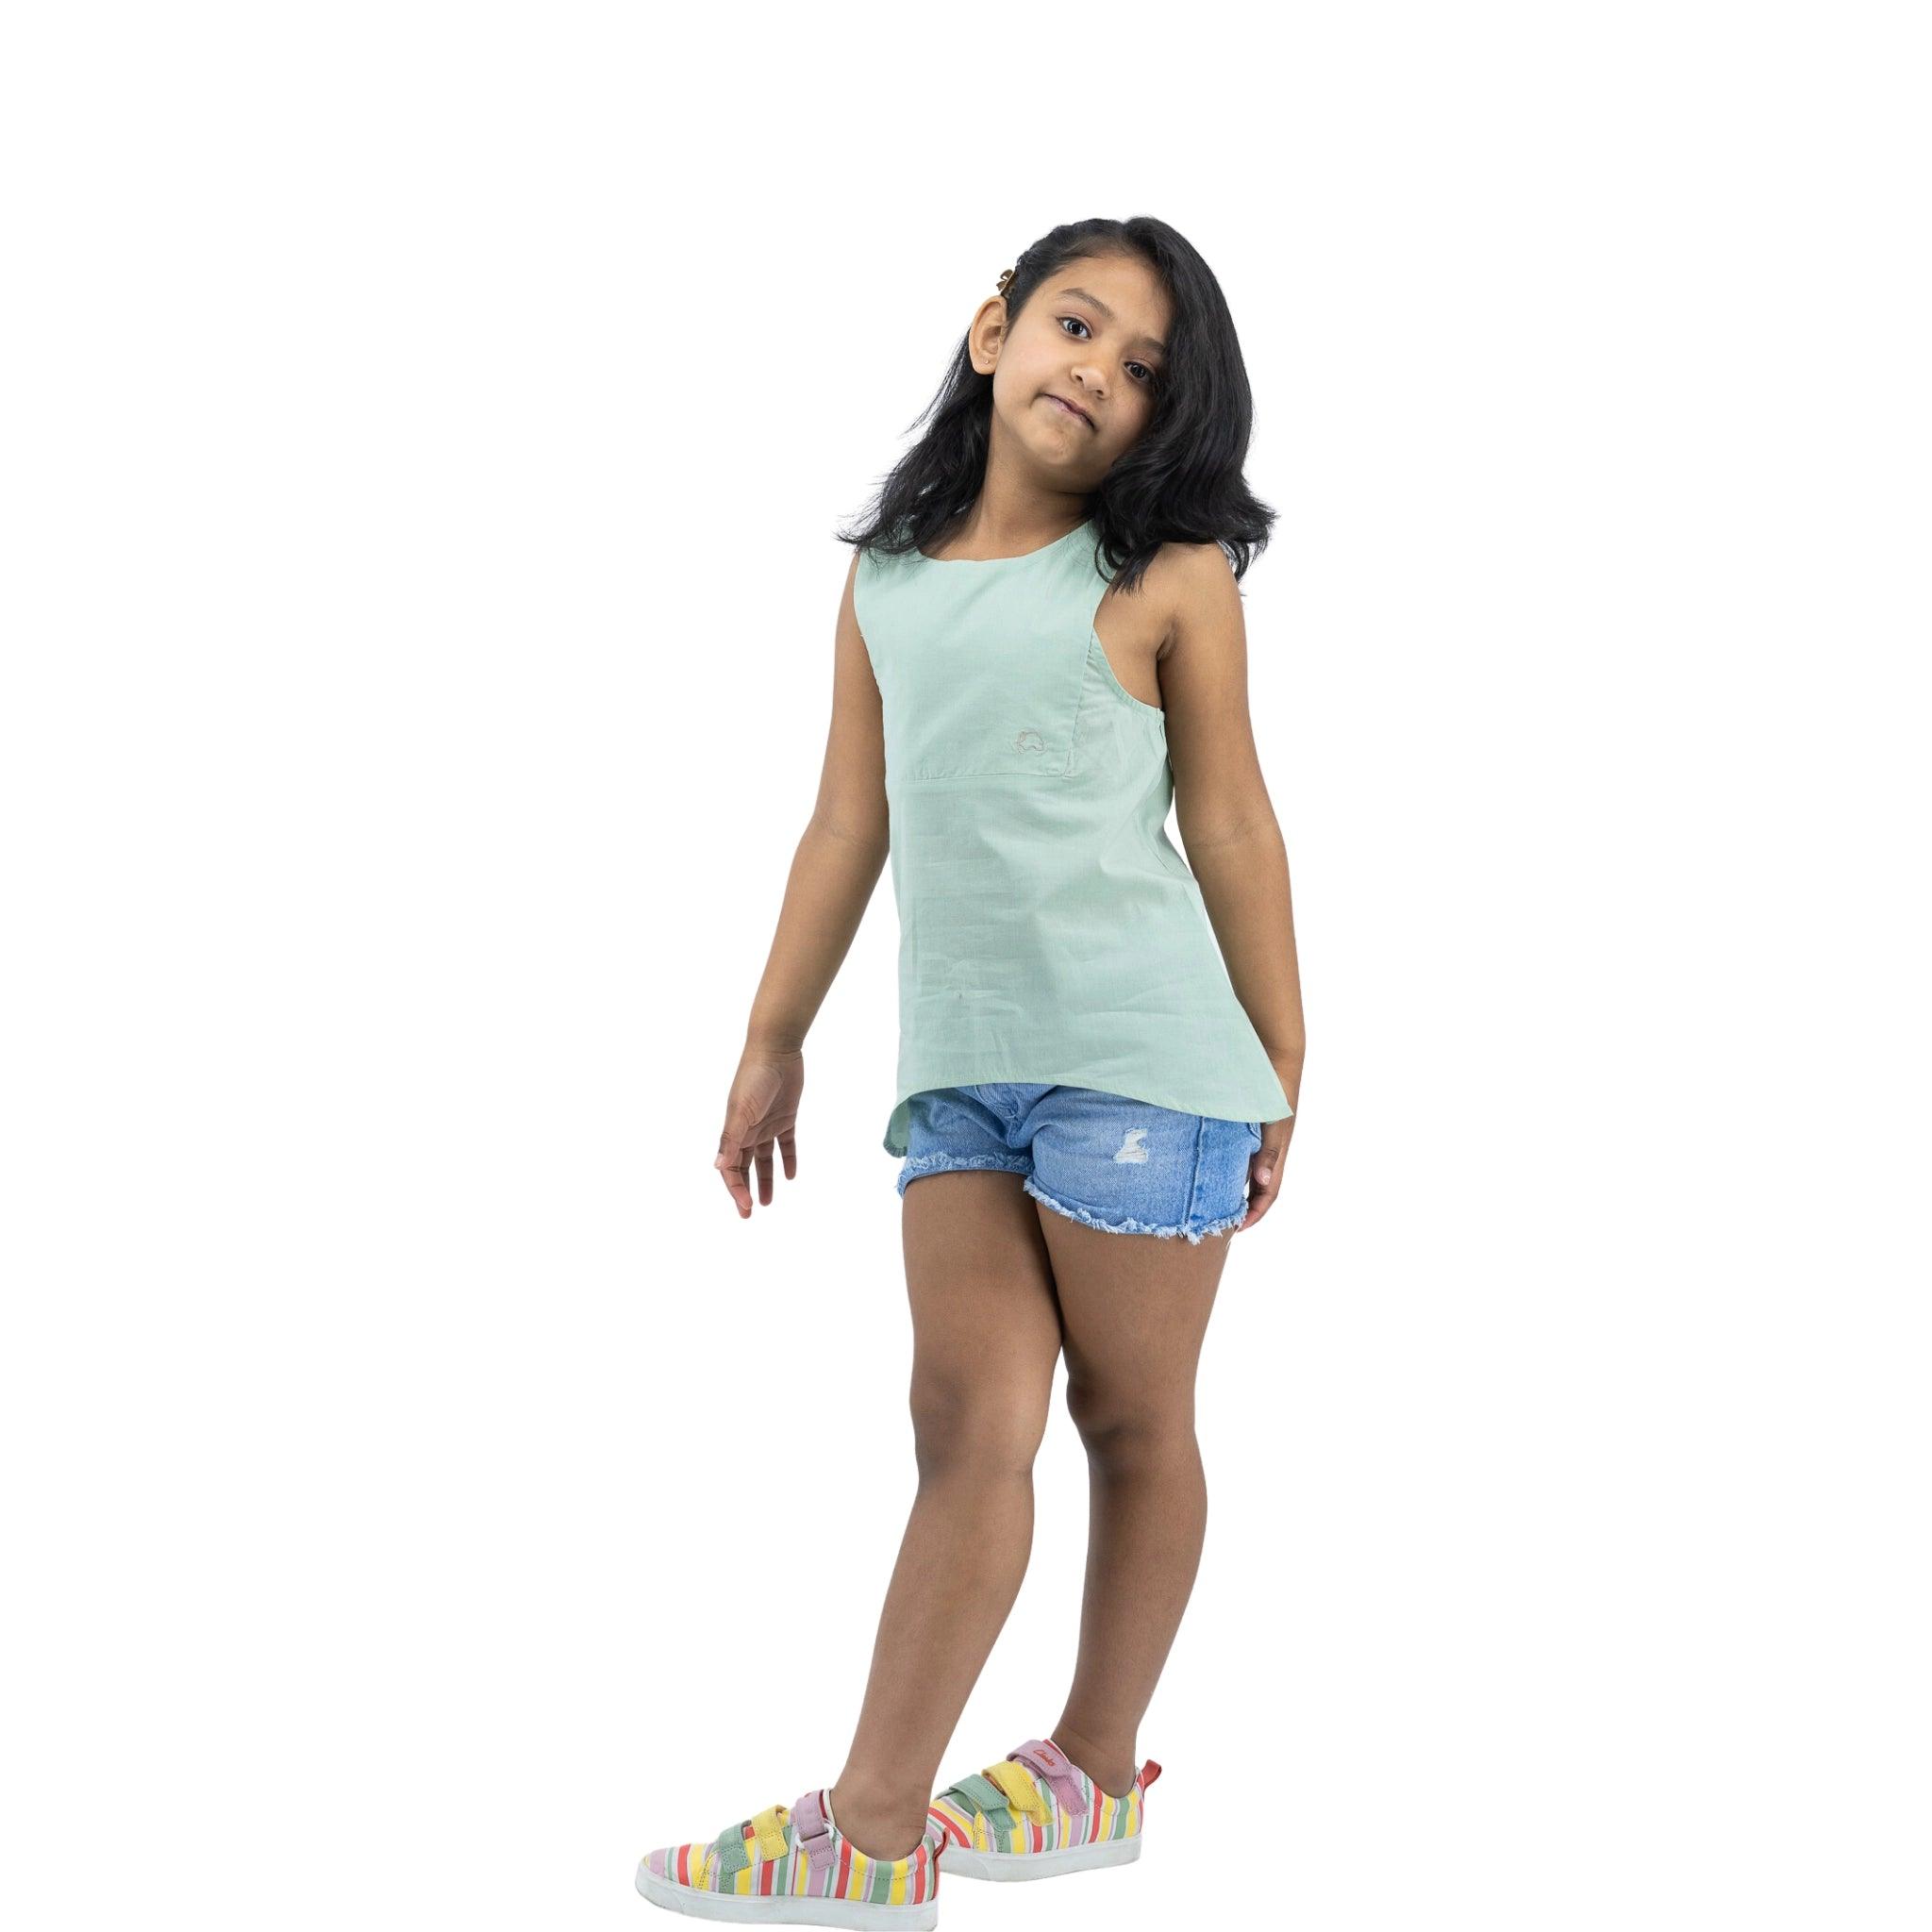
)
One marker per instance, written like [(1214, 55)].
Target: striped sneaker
[(1036, 1815), (790, 1866)]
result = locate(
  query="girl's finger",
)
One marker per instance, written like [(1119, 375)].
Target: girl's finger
[(729, 1162), (1265, 1184), (764, 1160)]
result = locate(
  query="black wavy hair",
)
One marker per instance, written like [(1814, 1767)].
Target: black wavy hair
[(1180, 482)]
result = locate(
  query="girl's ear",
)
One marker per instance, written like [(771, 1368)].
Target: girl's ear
[(986, 333)]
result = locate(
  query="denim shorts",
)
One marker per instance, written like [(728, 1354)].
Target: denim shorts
[(1123, 1165)]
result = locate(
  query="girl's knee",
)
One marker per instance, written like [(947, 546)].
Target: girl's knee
[(1123, 1424), (996, 1427)]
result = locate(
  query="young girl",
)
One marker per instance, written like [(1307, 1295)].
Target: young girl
[(1040, 648)]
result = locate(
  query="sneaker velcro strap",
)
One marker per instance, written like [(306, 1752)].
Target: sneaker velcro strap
[(727, 1851), (982, 1794), (1046, 1759), (1023, 1794), (976, 1793), (768, 1828), (813, 1829)]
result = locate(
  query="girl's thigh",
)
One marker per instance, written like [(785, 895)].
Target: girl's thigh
[(986, 1318), (1133, 1315)]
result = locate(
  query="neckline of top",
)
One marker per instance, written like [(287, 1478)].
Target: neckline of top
[(1025, 557)]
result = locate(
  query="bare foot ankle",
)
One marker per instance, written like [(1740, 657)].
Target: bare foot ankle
[(878, 1832), (1104, 1771)]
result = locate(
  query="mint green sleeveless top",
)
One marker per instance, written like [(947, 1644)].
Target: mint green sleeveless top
[(1049, 932)]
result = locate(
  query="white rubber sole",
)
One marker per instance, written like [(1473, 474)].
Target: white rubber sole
[(955, 1861), (747, 1910)]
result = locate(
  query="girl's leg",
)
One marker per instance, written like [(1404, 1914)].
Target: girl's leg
[(1135, 1308), (986, 1332)]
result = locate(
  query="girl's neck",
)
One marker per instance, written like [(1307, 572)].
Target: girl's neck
[(986, 534)]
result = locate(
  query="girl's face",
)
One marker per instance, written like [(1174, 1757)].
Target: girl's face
[(1090, 336)]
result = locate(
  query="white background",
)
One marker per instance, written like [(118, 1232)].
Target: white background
[(425, 429)]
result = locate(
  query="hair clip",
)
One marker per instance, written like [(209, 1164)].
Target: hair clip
[(1006, 277)]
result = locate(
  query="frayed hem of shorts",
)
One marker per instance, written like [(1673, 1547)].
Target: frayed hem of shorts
[(1130, 1226), (917, 1164)]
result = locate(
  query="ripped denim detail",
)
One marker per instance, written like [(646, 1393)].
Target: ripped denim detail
[(917, 1164), (1131, 1226)]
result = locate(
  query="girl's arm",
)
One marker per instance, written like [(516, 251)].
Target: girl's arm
[(843, 849), (1233, 845), (839, 857)]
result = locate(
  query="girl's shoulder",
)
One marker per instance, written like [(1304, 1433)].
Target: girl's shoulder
[(1193, 562), (1183, 578)]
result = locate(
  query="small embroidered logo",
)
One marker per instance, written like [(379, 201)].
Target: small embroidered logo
[(1030, 740)]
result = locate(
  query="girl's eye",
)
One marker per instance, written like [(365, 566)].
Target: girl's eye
[(1146, 375)]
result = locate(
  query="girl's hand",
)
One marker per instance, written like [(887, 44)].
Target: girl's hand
[(762, 1108), (1264, 1164)]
